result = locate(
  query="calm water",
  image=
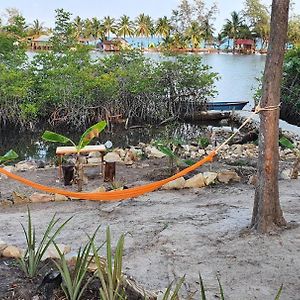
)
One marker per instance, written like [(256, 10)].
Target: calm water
[(237, 83)]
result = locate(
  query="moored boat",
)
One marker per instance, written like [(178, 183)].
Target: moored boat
[(230, 105)]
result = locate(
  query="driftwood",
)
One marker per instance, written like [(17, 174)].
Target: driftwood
[(207, 116)]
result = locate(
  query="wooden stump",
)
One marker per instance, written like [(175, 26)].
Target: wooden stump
[(109, 171)]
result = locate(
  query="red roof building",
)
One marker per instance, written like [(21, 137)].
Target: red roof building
[(245, 45)]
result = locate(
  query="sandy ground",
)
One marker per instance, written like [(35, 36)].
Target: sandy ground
[(172, 233)]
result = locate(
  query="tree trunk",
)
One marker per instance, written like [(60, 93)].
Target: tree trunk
[(267, 214)]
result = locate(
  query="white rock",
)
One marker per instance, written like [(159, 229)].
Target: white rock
[(209, 177), (201, 152), (23, 166), (59, 198), (196, 181), (95, 154), (176, 184), (39, 197), (286, 174), (12, 252), (95, 160), (51, 252), (112, 157), (227, 176), (154, 152)]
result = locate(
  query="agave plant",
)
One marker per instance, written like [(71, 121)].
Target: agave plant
[(8, 156), (84, 140), (31, 259)]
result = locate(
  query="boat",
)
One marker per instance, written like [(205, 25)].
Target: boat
[(238, 105)]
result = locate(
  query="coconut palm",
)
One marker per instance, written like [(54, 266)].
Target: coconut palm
[(36, 28), (144, 26), (109, 26), (194, 34), (163, 27), (207, 31), (232, 27), (96, 29), (78, 27), (125, 27)]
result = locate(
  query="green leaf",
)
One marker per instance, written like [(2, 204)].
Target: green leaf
[(279, 293), (10, 155), (286, 143), (90, 133), (166, 150), (50, 136)]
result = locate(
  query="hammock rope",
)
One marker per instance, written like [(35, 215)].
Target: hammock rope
[(135, 191)]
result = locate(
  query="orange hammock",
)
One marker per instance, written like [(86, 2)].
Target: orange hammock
[(111, 195)]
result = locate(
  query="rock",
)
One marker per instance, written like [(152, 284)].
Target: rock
[(196, 181), (60, 198), (40, 164), (6, 202), (209, 177), (129, 158), (51, 251), (94, 154), (201, 152), (10, 169), (238, 150), (112, 157), (121, 152), (99, 190), (286, 174), (252, 180), (39, 197), (71, 258), (12, 252), (23, 166), (176, 184), (19, 198), (2, 247), (95, 160), (154, 152), (227, 176)]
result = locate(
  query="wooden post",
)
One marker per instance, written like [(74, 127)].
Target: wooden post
[(109, 171), (267, 214)]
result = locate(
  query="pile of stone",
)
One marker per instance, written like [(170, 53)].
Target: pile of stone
[(202, 179)]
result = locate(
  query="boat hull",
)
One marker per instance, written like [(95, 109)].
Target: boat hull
[(226, 106)]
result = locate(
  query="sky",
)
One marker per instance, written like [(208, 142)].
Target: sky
[(44, 10)]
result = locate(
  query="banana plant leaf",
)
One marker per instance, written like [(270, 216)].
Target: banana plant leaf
[(10, 155), (286, 143), (90, 133), (166, 150), (50, 136)]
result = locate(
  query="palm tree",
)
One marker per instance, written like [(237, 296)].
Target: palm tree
[(125, 27), (78, 27), (36, 28), (144, 26), (109, 26), (207, 30), (163, 27), (96, 29), (232, 27), (194, 34)]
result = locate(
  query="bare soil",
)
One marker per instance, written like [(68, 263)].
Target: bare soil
[(174, 233)]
